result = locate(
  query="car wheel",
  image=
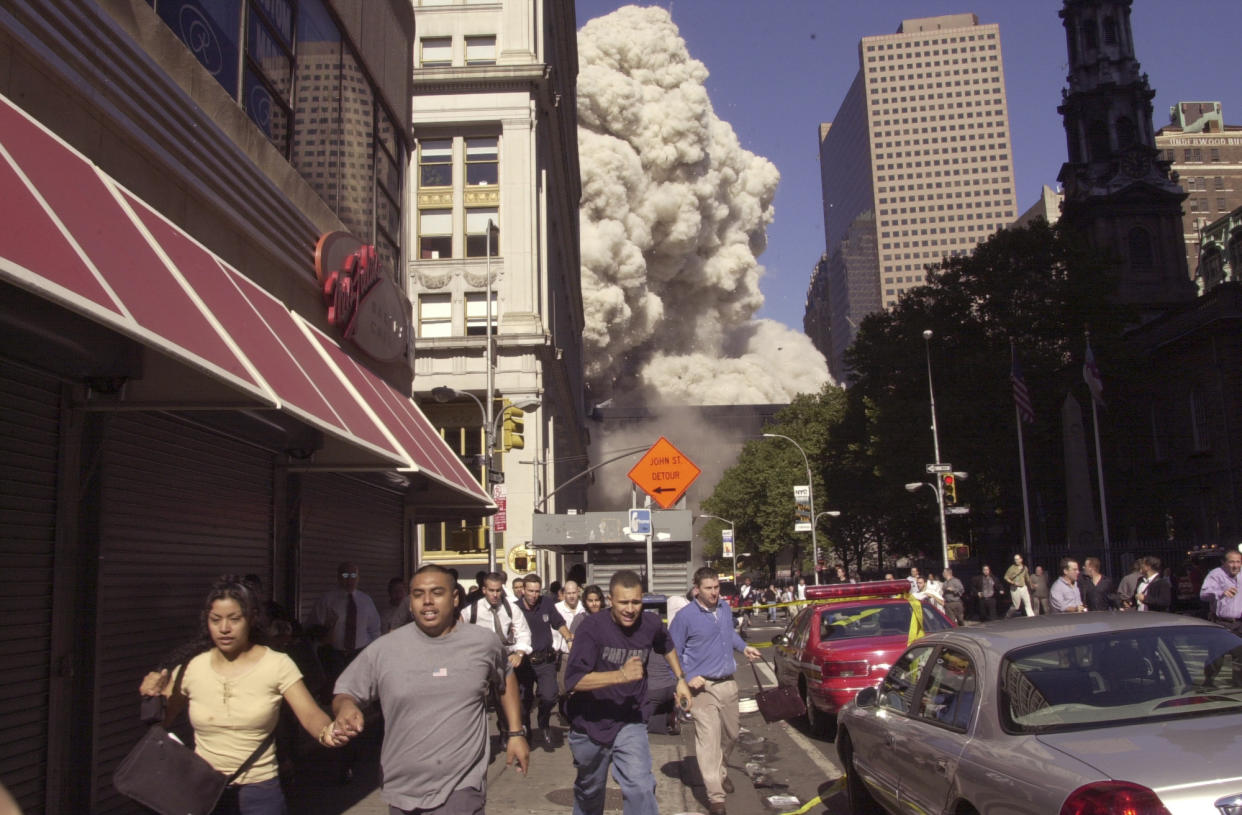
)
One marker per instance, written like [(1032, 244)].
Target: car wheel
[(859, 800), (819, 723)]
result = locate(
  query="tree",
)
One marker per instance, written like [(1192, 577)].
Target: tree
[(1037, 287)]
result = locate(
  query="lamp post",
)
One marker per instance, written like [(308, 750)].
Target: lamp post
[(810, 487), (931, 395), (732, 534), (491, 429)]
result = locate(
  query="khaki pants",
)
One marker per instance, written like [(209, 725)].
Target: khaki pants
[(715, 733)]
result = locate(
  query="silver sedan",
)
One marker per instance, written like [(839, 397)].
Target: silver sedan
[(1080, 714)]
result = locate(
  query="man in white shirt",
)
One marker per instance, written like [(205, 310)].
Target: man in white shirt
[(569, 608), (495, 612)]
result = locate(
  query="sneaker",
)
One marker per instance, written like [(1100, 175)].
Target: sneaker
[(716, 808), (727, 784)]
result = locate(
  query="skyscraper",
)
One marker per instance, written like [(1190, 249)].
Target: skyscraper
[(919, 150)]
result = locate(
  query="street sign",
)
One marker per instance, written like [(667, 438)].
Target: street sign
[(495, 476), (957, 510), (640, 521), (664, 473), (940, 468)]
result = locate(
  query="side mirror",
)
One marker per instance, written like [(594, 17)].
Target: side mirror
[(780, 639), (867, 697)]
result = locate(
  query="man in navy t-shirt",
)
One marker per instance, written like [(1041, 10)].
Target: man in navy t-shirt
[(608, 684)]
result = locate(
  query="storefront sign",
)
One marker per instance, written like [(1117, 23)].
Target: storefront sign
[(363, 302)]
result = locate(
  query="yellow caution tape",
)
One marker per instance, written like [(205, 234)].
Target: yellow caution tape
[(833, 790)]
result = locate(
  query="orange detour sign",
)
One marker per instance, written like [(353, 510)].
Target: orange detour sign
[(664, 473)]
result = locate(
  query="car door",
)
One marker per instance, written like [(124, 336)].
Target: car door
[(876, 737), (788, 657), (938, 728)]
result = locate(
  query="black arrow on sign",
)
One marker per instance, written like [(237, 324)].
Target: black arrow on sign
[(665, 489)]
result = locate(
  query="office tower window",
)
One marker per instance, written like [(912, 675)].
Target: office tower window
[(435, 163), (477, 242), (482, 161), (481, 50), (435, 52), (476, 314), (435, 234), (435, 315)]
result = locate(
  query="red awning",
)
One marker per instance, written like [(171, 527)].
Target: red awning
[(77, 238)]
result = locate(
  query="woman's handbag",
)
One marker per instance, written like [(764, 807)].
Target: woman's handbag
[(777, 703), (163, 774)]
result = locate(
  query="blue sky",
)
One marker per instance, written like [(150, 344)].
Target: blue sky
[(780, 67)]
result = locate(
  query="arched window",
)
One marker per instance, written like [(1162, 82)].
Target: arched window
[(1141, 261), (1126, 133), (1110, 31), (1089, 35), (1097, 141), (1235, 255), (1211, 270)]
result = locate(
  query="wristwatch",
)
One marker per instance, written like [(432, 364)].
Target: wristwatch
[(515, 733)]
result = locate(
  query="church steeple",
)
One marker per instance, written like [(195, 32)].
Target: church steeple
[(1116, 187)]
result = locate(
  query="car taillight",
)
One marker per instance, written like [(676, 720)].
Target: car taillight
[(1113, 798), (840, 670)]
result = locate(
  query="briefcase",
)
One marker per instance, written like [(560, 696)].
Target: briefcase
[(777, 703)]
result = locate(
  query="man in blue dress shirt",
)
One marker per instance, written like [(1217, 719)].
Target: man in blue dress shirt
[(705, 640)]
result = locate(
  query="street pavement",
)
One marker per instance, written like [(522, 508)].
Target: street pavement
[(770, 760)]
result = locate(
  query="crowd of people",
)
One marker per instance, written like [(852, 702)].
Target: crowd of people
[(426, 668)]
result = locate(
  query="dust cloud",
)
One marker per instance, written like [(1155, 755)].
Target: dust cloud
[(674, 216)]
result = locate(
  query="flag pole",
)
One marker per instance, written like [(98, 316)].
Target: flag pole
[(1026, 504), (1091, 375), (1099, 470)]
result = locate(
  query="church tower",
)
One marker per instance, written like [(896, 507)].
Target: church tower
[(1117, 189)]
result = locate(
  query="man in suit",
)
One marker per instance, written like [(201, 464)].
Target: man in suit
[(1154, 592)]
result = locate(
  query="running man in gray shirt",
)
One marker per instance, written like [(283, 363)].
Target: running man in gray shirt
[(431, 680)]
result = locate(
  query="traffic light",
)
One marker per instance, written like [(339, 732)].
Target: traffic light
[(512, 428), (948, 488)]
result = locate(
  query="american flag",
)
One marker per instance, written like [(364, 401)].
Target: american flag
[(1021, 396), (1091, 375)]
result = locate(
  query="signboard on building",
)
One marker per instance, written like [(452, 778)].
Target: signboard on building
[(363, 302), (664, 473), (802, 508)]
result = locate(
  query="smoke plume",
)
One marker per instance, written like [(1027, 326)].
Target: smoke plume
[(674, 217)]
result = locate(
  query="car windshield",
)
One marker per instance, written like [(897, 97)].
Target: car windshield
[(874, 620), (1121, 678)]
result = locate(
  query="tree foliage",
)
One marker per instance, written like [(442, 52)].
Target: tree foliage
[(1038, 288)]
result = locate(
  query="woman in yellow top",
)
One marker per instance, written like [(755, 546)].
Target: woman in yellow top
[(234, 688)]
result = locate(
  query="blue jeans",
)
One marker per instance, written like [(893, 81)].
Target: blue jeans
[(262, 798), (630, 757)]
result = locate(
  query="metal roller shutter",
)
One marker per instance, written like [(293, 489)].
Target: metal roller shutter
[(344, 518), (29, 438), (180, 506)]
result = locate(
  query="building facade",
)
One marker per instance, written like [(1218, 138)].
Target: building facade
[(495, 128), (922, 141), (1220, 253), (179, 400), (1205, 155)]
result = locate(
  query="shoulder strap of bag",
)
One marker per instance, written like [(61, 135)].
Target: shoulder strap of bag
[(755, 671), (258, 751)]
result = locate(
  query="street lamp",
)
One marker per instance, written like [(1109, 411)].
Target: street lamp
[(733, 535), (810, 490), (931, 394), (491, 429)]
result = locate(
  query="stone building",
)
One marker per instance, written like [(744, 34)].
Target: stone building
[(495, 129)]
